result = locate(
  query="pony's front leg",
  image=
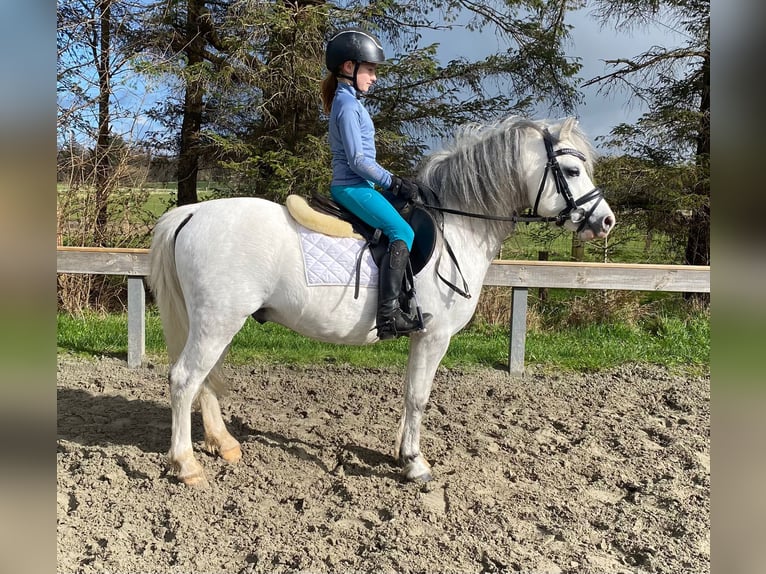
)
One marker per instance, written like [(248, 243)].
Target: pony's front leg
[(426, 352), (217, 438)]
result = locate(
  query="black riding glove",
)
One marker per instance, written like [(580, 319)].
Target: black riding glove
[(405, 189)]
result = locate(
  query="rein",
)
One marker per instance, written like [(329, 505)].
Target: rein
[(513, 218), (573, 210)]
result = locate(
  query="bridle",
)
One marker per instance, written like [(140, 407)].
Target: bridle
[(573, 210)]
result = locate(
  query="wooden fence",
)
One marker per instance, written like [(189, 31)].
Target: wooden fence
[(519, 275)]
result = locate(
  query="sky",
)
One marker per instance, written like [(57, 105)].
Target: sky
[(598, 113)]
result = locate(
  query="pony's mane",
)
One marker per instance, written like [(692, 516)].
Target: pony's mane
[(479, 170)]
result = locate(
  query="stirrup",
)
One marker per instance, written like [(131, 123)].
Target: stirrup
[(388, 329)]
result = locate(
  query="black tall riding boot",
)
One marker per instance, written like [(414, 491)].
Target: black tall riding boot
[(391, 320)]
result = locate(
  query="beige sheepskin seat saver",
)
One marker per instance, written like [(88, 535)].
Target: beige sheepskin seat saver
[(321, 222)]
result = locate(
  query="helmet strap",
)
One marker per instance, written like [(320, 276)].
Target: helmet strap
[(352, 78)]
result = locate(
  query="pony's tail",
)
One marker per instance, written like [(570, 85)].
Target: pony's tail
[(163, 279)]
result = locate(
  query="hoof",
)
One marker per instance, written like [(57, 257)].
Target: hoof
[(418, 470), (232, 455), (188, 471), (422, 478), (228, 449), (194, 477), (195, 480)]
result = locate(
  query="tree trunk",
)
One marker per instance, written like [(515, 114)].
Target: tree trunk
[(698, 239), (189, 148), (104, 180)]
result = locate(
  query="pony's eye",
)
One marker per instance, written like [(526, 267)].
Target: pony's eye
[(572, 171)]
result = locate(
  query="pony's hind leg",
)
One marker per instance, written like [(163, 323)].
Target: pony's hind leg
[(187, 379), (184, 386), (217, 438)]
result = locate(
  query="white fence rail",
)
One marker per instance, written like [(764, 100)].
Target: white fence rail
[(519, 275)]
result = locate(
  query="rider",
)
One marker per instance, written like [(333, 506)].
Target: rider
[(352, 57)]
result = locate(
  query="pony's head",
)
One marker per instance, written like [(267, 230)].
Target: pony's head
[(515, 163), (559, 183)]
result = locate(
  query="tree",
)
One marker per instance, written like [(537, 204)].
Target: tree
[(250, 71), (672, 139), (275, 146), (102, 57), (181, 41), (94, 46)]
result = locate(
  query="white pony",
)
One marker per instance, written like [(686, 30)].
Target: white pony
[(216, 263)]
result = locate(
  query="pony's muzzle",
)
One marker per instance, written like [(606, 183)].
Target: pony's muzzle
[(599, 228), (603, 226)]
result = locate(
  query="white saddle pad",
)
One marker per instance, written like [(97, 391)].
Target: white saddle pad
[(332, 260)]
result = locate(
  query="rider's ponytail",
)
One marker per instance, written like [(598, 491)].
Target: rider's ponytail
[(329, 85)]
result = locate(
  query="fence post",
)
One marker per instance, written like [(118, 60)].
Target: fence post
[(542, 292), (518, 330), (136, 321)]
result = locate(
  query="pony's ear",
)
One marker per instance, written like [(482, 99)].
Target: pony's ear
[(567, 127)]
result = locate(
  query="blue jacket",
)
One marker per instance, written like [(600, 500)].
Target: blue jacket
[(352, 142)]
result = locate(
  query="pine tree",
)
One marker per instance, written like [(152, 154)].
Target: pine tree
[(670, 143)]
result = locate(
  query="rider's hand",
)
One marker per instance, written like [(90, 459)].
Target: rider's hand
[(405, 189)]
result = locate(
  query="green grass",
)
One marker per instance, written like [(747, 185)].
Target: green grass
[(673, 339), (671, 342), (160, 196), (160, 200)]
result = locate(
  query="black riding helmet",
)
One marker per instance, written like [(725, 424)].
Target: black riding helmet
[(352, 44)]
